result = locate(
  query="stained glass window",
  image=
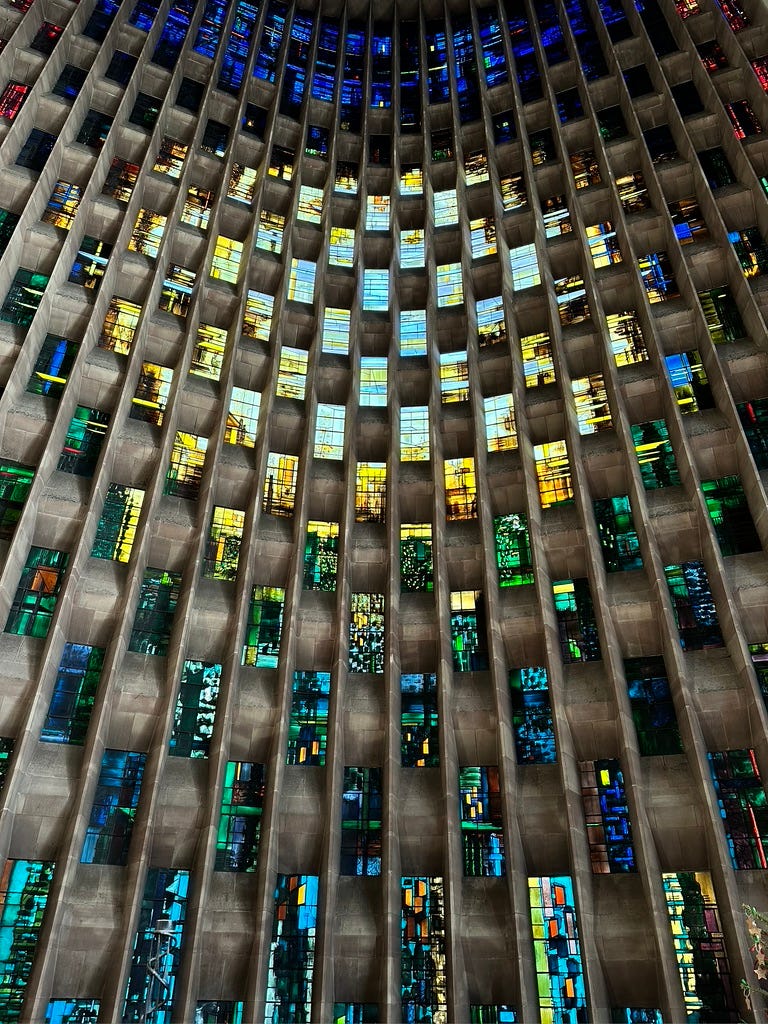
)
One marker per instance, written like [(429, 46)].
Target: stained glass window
[(237, 839), (222, 551), (195, 709), (110, 826), (609, 829), (743, 806), (532, 716), (321, 556), (24, 889), (419, 732), (116, 530), (264, 627), (73, 695), (468, 631), (576, 622), (653, 712), (165, 899), (693, 606), (366, 633), (557, 950), (617, 534), (34, 603), (416, 573), (155, 610), (308, 726), (482, 835), (702, 961), (361, 810), (424, 982)]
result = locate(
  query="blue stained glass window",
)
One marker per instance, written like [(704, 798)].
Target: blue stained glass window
[(693, 606), (143, 15), (609, 830), (24, 889), (356, 1013), (165, 898), (236, 53), (652, 709), (410, 77), (465, 66), (591, 56), (73, 694), (324, 78), (352, 80), (492, 46), (635, 1014), (557, 951), (72, 1011), (174, 32), (381, 68), (271, 40), (551, 33), (528, 75), (209, 32), (438, 84), (114, 808), (295, 74), (482, 834), (615, 21), (100, 20), (292, 950), (532, 716), (361, 808)]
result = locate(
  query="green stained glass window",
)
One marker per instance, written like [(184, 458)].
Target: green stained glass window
[(116, 531), (264, 628), (37, 593), (308, 726), (23, 298), (237, 841), (24, 889), (15, 482), (618, 537), (513, 549), (416, 572), (321, 556), (576, 622), (655, 454), (82, 445), (730, 515), (158, 598)]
